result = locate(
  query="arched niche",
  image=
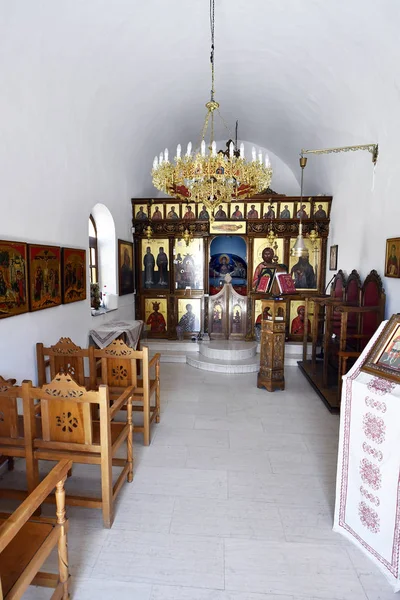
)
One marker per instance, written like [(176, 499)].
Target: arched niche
[(106, 245)]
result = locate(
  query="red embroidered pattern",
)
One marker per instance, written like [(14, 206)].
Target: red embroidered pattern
[(374, 499), (374, 428), (381, 406), (380, 386), (370, 474), (369, 518), (372, 451)]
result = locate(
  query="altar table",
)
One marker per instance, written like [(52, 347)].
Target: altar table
[(106, 333), (367, 510)]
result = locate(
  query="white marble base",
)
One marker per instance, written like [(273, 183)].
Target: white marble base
[(246, 365), (228, 350)]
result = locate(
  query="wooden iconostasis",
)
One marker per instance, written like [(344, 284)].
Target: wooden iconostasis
[(174, 282)]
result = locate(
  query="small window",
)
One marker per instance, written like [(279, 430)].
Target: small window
[(93, 254)]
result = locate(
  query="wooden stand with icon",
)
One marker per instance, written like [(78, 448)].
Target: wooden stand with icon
[(271, 375)]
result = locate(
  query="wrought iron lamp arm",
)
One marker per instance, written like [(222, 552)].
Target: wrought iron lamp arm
[(372, 148)]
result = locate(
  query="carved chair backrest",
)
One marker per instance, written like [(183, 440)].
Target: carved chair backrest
[(119, 364), (8, 408), (66, 409), (353, 297), (372, 294), (338, 289), (64, 356)]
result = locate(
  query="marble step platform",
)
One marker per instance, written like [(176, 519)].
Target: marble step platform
[(244, 365), (223, 356)]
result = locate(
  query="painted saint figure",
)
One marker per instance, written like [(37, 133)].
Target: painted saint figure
[(156, 320), (264, 271), (203, 215), (188, 322), (172, 214), (301, 213), (320, 213), (285, 213), (253, 213), (141, 215), (392, 267), (270, 214), (149, 264), (162, 264), (303, 274), (157, 214), (220, 214), (237, 214), (189, 214), (391, 356), (297, 326), (3, 285)]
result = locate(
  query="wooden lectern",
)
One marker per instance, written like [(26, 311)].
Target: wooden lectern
[(271, 375)]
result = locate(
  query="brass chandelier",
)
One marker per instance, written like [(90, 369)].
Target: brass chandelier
[(212, 177)]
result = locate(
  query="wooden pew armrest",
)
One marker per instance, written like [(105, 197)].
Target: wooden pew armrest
[(122, 399), (155, 360)]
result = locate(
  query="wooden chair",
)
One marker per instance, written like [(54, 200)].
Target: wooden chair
[(26, 541), (69, 431), (118, 368), (15, 430), (63, 356)]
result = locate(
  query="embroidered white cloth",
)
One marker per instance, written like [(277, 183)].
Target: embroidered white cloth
[(367, 510), (106, 333)]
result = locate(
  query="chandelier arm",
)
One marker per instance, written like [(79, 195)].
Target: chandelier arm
[(229, 130)]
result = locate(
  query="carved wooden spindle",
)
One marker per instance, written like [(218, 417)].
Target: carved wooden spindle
[(129, 441), (62, 542)]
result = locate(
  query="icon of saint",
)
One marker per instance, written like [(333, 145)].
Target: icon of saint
[(141, 215), (297, 326), (303, 274), (270, 214), (203, 215), (157, 214), (320, 213), (189, 214), (285, 213), (392, 267), (237, 214), (301, 213), (172, 214), (220, 214), (162, 265), (156, 320), (253, 213), (149, 264), (189, 322)]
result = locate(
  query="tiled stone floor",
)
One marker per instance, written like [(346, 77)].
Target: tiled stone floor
[(233, 500)]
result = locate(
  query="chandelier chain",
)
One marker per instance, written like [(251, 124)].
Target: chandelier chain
[(212, 27)]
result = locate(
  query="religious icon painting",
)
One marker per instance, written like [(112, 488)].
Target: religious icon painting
[(392, 261), (383, 360), (173, 211), (203, 213), (237, 211), (13, 279), (305, 271), (157, 211), (155, 264), (236, 319), (264, 266), (228, 255), (253, 210), (73, 275), (189, 264), (156, 316), (286, 210), (221, 212), (270, 210), (188, 212), (320, 209), (141, 212), (44, 276), (297, 320), (303, 210), (125, 268), (189, 315), (333, 258)]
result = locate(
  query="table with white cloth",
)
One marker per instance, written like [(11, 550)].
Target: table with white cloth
[(106, 333), (367, 509)]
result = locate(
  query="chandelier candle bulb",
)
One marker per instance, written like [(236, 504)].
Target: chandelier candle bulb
[(231, 150), (166, 155), (253, 154), (189, 149), (203, 148), (242, 150), (155, 163), (267, 162), (214, 149), (161, 158), (260, 160), (178, 151)]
